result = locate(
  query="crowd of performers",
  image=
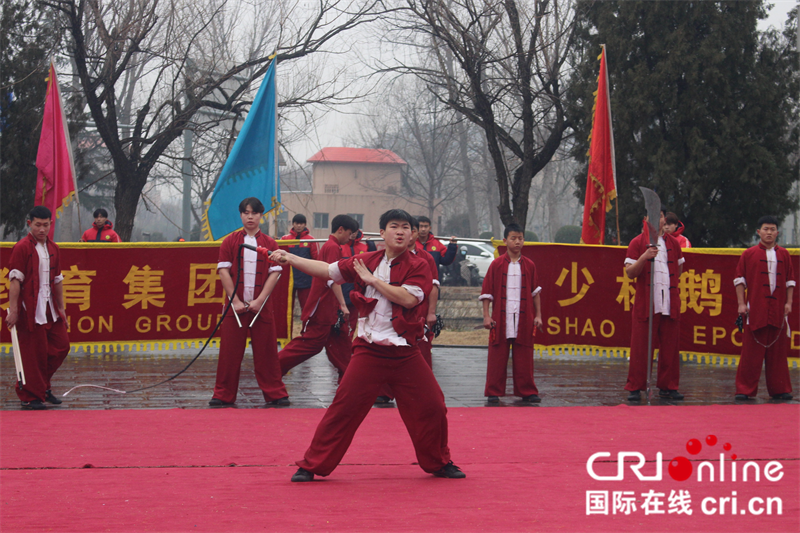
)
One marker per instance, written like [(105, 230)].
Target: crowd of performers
[(374, 313)]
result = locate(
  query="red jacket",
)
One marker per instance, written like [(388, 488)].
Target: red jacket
[(494, 283), (678, 234), (104, 234), (230, 252), (442, 255), (433, 272), (25, 258), (322, 302), (765, 309), (641, 305), (407, 269)]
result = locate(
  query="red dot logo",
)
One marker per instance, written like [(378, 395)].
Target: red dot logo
[(727, 446), (711, 440), (680, 468), (733, 457), (693, 446)]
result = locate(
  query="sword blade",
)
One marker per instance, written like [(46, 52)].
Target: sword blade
[(17, 355)]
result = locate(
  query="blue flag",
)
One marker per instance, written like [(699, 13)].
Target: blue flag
[(251, 168)]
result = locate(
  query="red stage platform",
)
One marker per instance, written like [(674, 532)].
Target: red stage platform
[(228, 470)]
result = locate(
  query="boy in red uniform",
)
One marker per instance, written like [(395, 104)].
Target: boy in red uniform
[(101, 230), (511, 288), (667, 259), (765, 272), (675, 227), (390, 285), (442, 255), (320, 313), (309, 250), (35, 275), (257, 279)]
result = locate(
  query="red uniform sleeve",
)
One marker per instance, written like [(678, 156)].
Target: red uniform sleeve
[(634, 248), (19, 258), (418, 276), (488, 279), (227, 250), (314, 249), (431, 266), (789, 268), (741, 267)]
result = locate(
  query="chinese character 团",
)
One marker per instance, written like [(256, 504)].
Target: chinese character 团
[(596, 502), (653, 501), (144, 287), (700, 291), (5, 285), (624, 502), (577, 295), (77, 286), (680, 502), (203, 284), (627, 293)]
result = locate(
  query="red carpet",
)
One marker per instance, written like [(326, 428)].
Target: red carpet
[(228, 470)]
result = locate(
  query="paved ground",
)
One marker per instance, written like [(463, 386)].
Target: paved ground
[(461, 371)]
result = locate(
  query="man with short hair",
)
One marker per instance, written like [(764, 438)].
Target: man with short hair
[(36, 308), (321, 311), (309, 250), (389, 286), (256, 279), (667, 260), (442, 255), (765, 282), (101, 230)]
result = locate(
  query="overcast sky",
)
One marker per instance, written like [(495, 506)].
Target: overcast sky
[(336, 125)]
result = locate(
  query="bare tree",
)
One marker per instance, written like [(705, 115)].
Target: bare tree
[(510, 56), (147, 67)]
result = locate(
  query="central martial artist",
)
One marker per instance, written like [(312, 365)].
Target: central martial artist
[(390, 285)]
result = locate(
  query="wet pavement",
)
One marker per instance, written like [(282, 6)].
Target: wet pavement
[(564, 380)]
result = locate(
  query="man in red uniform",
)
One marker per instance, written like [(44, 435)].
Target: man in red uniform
[(427, 308), (101, 230), (390, 285), (35, 275), (309, 250), (667, 259), (765, 272), (321, 311), (442, 255), (512, 288), (675, 227), (256, 280)]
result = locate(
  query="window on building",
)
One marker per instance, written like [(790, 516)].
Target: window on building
[(359, 218), (321, 220), (331, 189)]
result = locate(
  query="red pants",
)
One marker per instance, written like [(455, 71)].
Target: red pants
[(522, 369), (419, 400), (314, 337), (666, 335), (425, 350), (265, 356), (774, 358), (42, 352)]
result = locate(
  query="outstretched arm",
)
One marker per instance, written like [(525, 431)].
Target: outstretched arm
[(318, 269)]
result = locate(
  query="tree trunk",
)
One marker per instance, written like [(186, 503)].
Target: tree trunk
[(469, 188), (126, 200)]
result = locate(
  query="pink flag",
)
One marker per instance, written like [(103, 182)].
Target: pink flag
[(55, 182)]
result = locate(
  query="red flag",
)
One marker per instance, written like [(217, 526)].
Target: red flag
[(55, 182), (601, 186)]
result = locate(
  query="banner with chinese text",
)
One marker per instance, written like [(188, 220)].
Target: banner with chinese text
[(144, 296)]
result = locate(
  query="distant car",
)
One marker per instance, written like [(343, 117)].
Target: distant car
[(480, 254)]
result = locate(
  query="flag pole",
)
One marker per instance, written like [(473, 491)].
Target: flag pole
[(613, 153)]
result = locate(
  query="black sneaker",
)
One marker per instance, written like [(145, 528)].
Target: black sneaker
[(493, 399), (635, 396), (450, 471), (383, 400), (280, 402), (670, 394), (740, 397), (50, 398), (533, 398), (34, 405), (784, 396), (302, 475), (216, 402)]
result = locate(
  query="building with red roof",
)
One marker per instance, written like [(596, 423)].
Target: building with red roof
[(360, 182)]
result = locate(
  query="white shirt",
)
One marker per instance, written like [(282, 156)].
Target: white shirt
[(249, 267), (661, 298), (377, 326), (45, 298), (513, 298)]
